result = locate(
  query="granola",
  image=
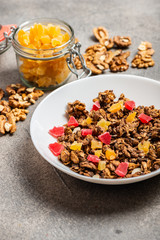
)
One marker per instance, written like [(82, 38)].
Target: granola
[(115, 139)]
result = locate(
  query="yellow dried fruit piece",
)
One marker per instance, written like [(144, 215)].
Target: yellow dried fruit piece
[(144, 146), (131, 117), (116, 107), (88, 120), (110, 154), (76, 146), (101, 165), (45, 39), (96, 144), (104, 124), (98, 153)]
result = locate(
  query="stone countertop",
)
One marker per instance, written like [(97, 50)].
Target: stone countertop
[(37, 201)]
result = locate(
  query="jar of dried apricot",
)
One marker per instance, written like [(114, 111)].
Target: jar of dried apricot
[(45, 51)]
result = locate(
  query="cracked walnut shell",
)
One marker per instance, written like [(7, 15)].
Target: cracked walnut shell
[(100, 33), (122, 42)]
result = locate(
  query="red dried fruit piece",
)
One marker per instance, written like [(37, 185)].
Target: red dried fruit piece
[(86, 132), (56, 148), (122, 169), (93, 158), (144, 118), (130, 105), (72, 122), (57, 131), (105, 138), (96, 106)]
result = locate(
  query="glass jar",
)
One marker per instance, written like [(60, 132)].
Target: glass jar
[(47, 69)]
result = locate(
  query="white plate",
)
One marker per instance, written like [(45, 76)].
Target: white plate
[(51, 112)]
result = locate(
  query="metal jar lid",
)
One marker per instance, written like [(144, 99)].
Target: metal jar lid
[(6, 32)]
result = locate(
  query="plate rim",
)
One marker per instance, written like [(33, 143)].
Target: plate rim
[(82, 177)]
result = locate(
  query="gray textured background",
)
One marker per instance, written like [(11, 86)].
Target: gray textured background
[(39, 202)]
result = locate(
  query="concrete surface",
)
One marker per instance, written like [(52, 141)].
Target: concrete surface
[(37, 202)]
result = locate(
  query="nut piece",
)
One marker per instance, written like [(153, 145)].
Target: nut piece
[(101, 33), (142, 62), (119, 63), (122, 42), (2, 123), (7, 126), (108, 43), (4, 107), (146, 52), (15, 88), (12, 121), (1, 93), (20, 114), (16, 101), (144, 46)]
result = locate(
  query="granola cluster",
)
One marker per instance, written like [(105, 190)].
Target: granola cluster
[(133, 138), (99, 57), (14, 110), (144, 57)]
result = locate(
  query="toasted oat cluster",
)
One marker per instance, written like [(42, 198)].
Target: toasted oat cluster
[(14, 110), (115, 139)]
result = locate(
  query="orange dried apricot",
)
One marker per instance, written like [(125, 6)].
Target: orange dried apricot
[(131, 117), (110, 154), (144, 146), (96, 144), (116, 107)]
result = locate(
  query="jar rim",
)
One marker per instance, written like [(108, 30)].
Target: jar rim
[(34, 20)]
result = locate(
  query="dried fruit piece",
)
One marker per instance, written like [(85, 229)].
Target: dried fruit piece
[(110, 154), (101, 165), (56, 148), (100, 33), (98, 153), (57, 131), (131, 117), (72, 122), (86, 132), (93, 158), (116, 107), (89, 120), (96, 144), (129, 105), (144, 118), (104, 124), (76, 146), (122, 169), (144, 146), (122, 41), (96, 106), (105, 138)]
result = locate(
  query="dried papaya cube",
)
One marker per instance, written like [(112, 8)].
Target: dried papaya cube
[(110, 154), (55, 42), (131, 117), (98, 153), (45, 39), (96, 144), (116, 107), (144, 146), (101, 165), (104, 124), (76, 146)]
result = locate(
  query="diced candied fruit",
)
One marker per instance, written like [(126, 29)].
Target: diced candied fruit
[(116, 107), (131, 117), (101, 165), (96, 144), (72, 122), (89, 120), (144, 118), (110, 154), (96, 106), (56, 148), (86, 132), (130, 105), (122, 169), (44, 37), (98, 153), (105, 138), (57, 131), (93, 158), (76, 146), (144, 146), (104, 124)]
